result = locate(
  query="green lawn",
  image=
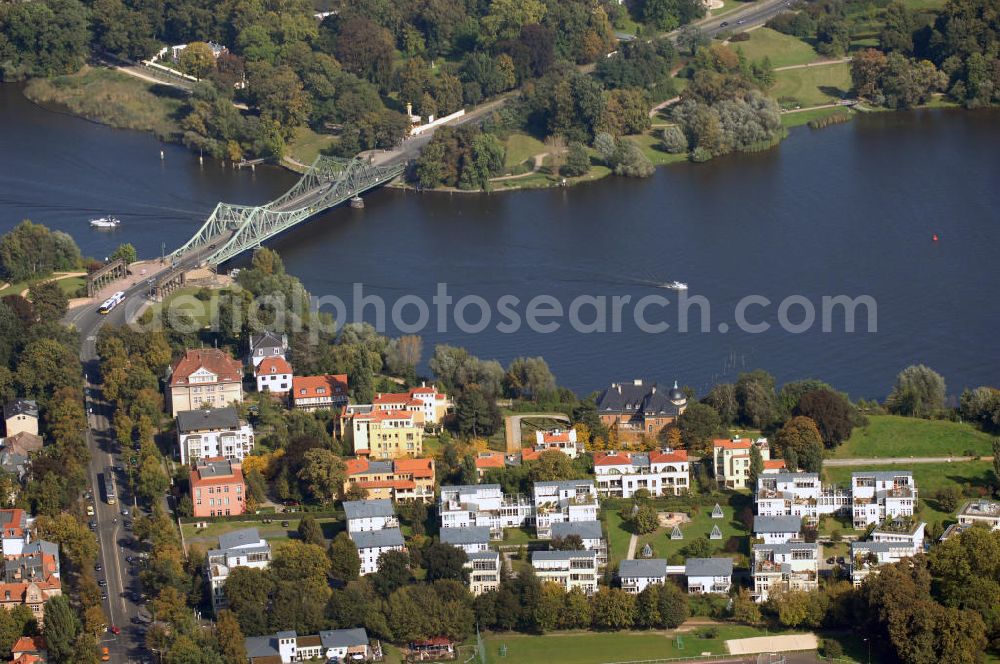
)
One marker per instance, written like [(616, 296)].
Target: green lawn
[(618, 537), (699, 528), (599, 647), (306, 144), (812, 86), (273, 532), (649, 143), (182, 302), (929, 477), (783, 50), (894, 436), (68, 285), (789, 120), (521, 147)]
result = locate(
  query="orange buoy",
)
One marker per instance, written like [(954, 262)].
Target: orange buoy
[(934, 238)]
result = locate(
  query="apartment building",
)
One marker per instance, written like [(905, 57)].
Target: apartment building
[(20, 415), (867, 557), (334, 645), (636, 575), (240, 548), (430, 405), (369, 515), (483, 505), (788, 566), (570, 569), (31, 578), (373, 543), (901, 530), (388, 434), (708, 575), (986, 512), (777, 529), (591, 535), (878, 495), (265, 345), (204, 378), (328, 392), (212, 433), (471, 539), (217, 488), (397, 480), (799, 494), (731, 461), (563, 501), (663, 472), (16, 533), (484, 571)]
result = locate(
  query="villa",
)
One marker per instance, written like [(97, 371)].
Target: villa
[(663, 472), (636, 575), (591, 535), (788, 566), (877, 495), (570, 569), (484, 571), (708, 575), (777, 529), (240, 548), (483, 505), (799, 494)]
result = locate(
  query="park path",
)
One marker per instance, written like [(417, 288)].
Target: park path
[(57, 276), (811, 108), (536, 165), (897, 461), (818, 63), (662, 105), (633, 540)]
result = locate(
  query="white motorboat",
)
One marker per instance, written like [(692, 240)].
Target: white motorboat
[(675, 285), (105, 222)]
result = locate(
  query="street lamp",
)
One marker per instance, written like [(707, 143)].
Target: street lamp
[(869, 642)]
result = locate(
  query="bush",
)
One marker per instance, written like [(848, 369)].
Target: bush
[(832, 649), (740, 37), (834, 119)]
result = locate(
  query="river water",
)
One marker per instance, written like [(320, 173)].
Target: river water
[(848, 210)]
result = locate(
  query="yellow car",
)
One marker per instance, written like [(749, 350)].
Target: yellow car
[(105, 654)]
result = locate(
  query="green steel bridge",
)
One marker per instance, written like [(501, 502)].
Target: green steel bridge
[(233, 229)]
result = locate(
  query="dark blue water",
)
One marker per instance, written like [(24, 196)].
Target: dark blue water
[(847, 210)]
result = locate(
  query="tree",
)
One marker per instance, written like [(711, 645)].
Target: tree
[(393, 572), (756, 466), (49, 300), (278, 93), (345, 564), (722, 398), (800, 440), (444, 561), (310, 531), (629, 161), (833, 415), (477, 414), (549, 607), (745, 610), (756, 398), (996, 461), (613, 608), (647, 607), (232, 644), (61, 628), (673, 606), (644, 519), (366, 49), (506, 18), (197, 59), (918, 391), (833, 36), (552, 465), (529, 377), (577, 160), (126, 252), (247, 594), (897, 31), (699, 424), (75, 540), (323, 474), (673, 140)]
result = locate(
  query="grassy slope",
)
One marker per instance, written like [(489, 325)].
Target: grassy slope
[(699, 528), (894, 436), (789, 120), (812, 86), (521, 147), (929, 477), (306, 144), (784, 50), (618, 537), (112, 98), (272, 532)]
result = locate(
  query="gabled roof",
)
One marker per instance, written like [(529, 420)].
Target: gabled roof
[(668, 456), (344, 638), (20, 407), (266, 339), (367, 509), (207, 419), (307, 387), (28, 644), (419, 467), (783, 523), (774, 464), (708, 567), (214, 360), (635, 398), (654, 568), (22, 443), (376, 539), (739, 444), (274, 365), (587, 530), (469, 535), (486, 460)]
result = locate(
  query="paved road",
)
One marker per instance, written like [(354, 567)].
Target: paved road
[(758, 13), (900, 461)]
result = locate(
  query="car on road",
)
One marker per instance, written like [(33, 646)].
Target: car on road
[(92, 524), (841, 561), (741, 21), (90, 510), (104, 595), (127, 524), (129, 559), (98, 567), (724, 24), (102, 583), (105, 654), (115, 629)]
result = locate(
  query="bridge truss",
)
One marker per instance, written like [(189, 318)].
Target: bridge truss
[(233, 229)]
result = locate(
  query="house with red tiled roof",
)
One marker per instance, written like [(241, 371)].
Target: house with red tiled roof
[(205, 378), (431, 405), (486, 461), (326, 392), (31, 578), (731, 460), (29, 650), (396, 479), (387, 434), (274, 374), (663, 472), (15, 533), (558, 439)]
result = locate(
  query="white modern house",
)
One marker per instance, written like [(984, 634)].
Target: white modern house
[(373, 543), (788, 566), (240, 548), (335, 645), (636, 575), (563, 501), (986, 512), (483, 505), (213, 432), (799, 494), (274, 374), (484, 571), (369, 515), (570, 569), (663, 472), (560, 440), (777, 529), (878, 495), (708, 575), (866, 557), (591, 535), (471, 539)]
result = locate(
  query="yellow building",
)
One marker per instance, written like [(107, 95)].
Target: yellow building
[(731, 461), (388, 434)]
